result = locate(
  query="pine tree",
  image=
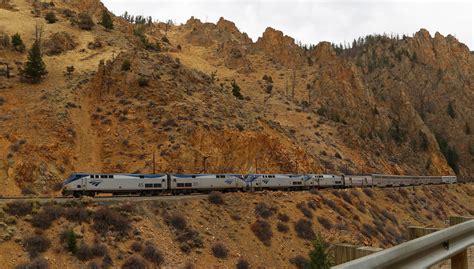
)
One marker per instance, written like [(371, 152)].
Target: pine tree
[(320, 258), (35, 68), (17, 42), (71, 241), (236, 90), (107, 21)]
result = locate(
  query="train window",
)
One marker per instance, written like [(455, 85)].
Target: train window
[(142, 176), (148, 185), (187, 184), (193, 176), (338, 182), (296, 182), (157, 185), (180, 185), (111, 176), (78, 186), (163, 180), (103, 176)]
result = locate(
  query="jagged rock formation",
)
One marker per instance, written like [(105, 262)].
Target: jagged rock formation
[(385, 105)]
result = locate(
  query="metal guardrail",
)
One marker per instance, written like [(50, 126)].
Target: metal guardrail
[(421, 252)]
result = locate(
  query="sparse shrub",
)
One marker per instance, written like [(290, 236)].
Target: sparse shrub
[(189, 239), (77, 214), (265, 211), (392, 196), (85, 21), (152, 254), (137, 246), (98, 249), (215, 197), (306, 212), (41, 220), (451, 111), (143, 81), (17, 43), (341, 226), (107, 21), (320, 257), (27, 191), (106, 219), (37, 263), (134, 262), (346, 197), (369, 192), (94, 265), (325, 222), (50, 17), (84, 252), (304, 229), (36, 244), (263, 231), (283, 217), (126, 65), (220, 251), (403, 193), (355, 193), (5, 40), (361, 207), (300, 262), (178, 221), (282, 227), (367, 230), (390, 216), (107, 262), (312, 204), (333, 206), (19, 208), (242, 264)]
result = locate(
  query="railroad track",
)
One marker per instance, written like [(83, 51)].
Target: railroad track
[(123, 198)]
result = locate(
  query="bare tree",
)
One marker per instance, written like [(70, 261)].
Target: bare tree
[(293, 83)]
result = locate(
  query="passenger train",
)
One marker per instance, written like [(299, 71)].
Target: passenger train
[(91, 184)]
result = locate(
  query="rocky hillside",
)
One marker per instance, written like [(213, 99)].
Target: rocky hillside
[(265, 230), (386, 104)]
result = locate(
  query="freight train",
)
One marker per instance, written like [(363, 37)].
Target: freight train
[(90, 184)]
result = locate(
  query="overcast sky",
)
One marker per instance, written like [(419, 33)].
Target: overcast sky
[(314, 21)]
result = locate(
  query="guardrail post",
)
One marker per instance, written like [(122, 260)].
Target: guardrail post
[(416, 231), (459, 261), (346, 252), (343, 253)]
